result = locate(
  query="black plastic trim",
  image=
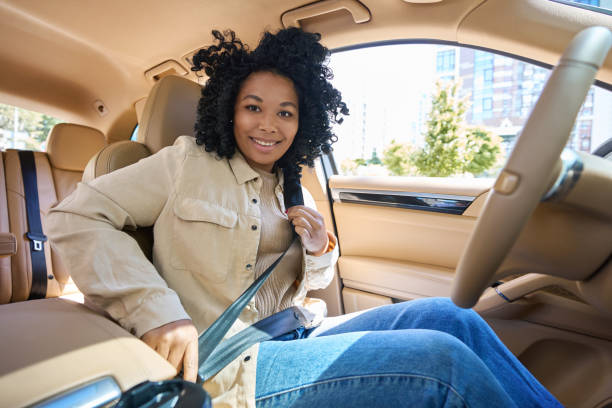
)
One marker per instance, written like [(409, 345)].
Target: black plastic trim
[(439, 205)]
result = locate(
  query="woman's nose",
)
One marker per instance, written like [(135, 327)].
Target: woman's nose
[(267, 124)]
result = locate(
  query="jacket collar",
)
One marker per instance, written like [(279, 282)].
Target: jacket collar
[(241, 169), (243, 172)]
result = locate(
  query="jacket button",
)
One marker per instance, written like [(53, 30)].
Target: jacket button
[(247, 358), (248, 266), (254, 201), (253, 227)]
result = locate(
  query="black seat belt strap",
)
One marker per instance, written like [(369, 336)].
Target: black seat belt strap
[(35, 233)]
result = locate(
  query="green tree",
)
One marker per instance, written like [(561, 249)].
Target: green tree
[(36, 125), (450, 147), (441, 154), (374, 159), (482, 151), (397, 158)]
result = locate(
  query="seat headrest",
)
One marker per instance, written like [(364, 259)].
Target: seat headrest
[(170, 111), (70, 146)]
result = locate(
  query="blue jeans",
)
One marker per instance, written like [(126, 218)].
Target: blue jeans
[(422, 353)]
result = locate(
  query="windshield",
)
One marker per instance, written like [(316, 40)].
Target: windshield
[(600, 6)]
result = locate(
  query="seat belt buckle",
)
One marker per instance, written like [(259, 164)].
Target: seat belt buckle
[(37, 240)]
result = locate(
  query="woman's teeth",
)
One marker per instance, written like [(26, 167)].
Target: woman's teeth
[(262, 143)]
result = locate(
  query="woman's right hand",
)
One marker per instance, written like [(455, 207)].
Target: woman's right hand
[(176, 342)]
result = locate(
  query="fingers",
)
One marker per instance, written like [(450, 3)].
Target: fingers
[(175, 356), (163, 349), (190, 362), (303, 233), (305, 217), (177, 342)]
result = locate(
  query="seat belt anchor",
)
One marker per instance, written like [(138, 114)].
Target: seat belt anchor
[(37, 240)]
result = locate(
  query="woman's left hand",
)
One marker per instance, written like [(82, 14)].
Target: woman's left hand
[(310, 226)]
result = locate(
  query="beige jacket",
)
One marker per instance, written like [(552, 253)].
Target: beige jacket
[(206, 220)]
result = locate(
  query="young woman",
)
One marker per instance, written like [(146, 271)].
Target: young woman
[(216, 204)]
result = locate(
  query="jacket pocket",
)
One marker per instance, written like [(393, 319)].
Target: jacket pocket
[(202, 238)]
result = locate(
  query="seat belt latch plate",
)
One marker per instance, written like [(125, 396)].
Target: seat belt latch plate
[(37, 240)]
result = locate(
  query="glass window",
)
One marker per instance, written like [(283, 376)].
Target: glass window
[(601, 6), (409, 116), (23, 129), (134, 137)]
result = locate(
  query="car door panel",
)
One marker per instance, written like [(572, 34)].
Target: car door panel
[(393, 250)]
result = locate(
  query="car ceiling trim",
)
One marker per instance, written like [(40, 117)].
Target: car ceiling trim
[(441, 203)]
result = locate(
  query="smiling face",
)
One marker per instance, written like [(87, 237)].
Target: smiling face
[(265, 118)]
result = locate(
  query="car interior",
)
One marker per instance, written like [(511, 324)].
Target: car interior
[(536, 266)]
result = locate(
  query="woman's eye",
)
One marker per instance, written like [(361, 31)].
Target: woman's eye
[(285, 114), (253, 108)]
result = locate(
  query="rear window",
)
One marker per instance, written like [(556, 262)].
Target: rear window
[(23, 129)]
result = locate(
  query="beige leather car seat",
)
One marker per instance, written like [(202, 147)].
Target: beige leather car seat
[(58, 171), (5, 261), (170, 111)]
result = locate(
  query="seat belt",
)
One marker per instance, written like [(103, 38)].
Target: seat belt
[(35, 233), (213, 354)]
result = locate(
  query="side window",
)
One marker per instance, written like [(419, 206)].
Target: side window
[(134, 137), (442, 111), (23, 129)]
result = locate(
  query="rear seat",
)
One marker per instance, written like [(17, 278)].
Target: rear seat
[(5, 262), (58, 171)]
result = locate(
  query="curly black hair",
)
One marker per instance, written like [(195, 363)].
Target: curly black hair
[(292, 53)]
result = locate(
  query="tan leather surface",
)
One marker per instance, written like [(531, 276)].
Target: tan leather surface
[(139, 108), (55, 345), (65, 182), (8, 244), (593, 190), (564, 343), (21, 262), (71, 146), (562, 241), (400, 234), (113, 157), (356, 300), (170, 111), (5, 263), (402, 280), (432, 185)]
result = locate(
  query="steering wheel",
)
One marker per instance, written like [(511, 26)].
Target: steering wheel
[(531, 166)]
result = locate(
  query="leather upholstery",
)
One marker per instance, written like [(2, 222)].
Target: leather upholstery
[(170, 111), (71, 146), (113, 157), (5, 262), (58, 171)]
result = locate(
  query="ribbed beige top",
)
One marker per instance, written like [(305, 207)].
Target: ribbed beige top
[(276, 231)]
